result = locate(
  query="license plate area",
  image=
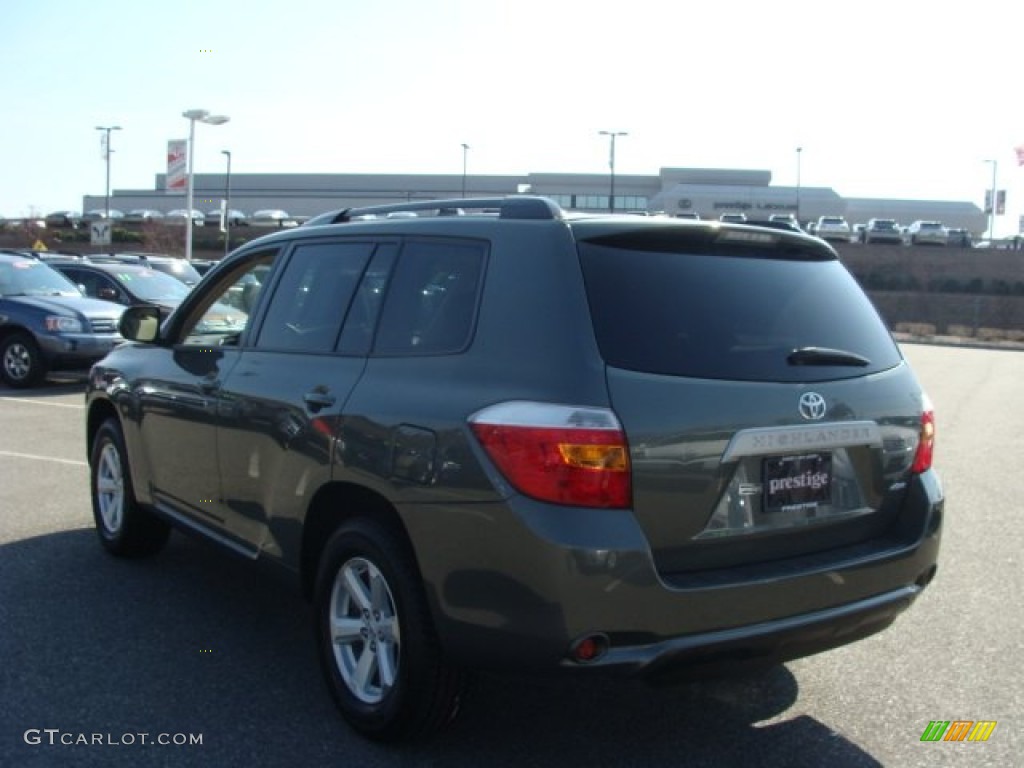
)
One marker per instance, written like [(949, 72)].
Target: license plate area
[(799, 482)]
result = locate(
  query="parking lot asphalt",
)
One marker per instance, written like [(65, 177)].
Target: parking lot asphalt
[(122, 654)]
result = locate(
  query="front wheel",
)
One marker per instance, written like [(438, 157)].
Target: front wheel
[(21, 363), (377, 645), (125, 528)]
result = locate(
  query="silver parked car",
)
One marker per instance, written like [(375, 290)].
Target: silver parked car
[(832, 228), (927, 233), (881, 231)]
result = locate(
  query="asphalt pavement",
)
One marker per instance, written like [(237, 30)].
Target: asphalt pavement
[(196, 658)]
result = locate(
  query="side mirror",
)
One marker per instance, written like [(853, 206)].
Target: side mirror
[(108, 294), (140, 324)]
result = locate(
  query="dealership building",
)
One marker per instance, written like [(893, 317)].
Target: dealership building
[(708, 192)]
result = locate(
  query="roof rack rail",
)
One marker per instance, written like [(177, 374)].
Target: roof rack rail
[(510, 207)]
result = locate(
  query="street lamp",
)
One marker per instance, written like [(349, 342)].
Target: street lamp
[(106, 156), (465, 151), (202, 116), (992, 203), (611, 165), (799, 152), (227, 203)]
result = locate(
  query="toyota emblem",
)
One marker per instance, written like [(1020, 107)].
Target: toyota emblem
[(812, 406)]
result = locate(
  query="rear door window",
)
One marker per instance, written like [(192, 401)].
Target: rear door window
[(729, 315)]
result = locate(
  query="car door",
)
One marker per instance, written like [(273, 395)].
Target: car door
[(281, 403), (179, 397)]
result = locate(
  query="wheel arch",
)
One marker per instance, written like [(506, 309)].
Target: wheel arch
[(332, 506), (99, 412)]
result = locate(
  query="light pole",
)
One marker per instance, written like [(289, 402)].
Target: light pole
[(611, 165), (799, 153), (106, 156), (992, 202), (227, 203), (203, 116), (465, 152)]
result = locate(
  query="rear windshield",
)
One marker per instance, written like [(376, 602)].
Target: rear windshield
[(730, 316)]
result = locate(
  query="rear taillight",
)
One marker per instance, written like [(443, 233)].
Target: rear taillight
[(926, 442), (559, 453)]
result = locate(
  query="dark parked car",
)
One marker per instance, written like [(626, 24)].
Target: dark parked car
[(525, 439), (63, 219), (126, 284), (174, 266), (137, 285), (959, 237), (46, 324)]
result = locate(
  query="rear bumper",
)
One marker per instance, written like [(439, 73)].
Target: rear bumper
[(761, 645), (517, 584)]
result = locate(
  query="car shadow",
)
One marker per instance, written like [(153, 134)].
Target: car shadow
[(54, 384), (194, 641)]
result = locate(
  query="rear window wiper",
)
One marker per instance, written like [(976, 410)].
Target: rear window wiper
[(825, 356)]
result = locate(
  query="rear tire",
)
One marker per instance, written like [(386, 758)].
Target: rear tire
[(21, 363), (378, 650), (125, 528)]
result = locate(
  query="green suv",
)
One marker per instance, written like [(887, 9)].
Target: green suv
[(494, 434)]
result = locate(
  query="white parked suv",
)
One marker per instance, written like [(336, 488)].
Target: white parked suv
[(927, 233), (832, 228)]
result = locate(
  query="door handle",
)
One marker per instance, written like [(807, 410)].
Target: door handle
[(318, 398)]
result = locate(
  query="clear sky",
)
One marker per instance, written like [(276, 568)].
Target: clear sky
[(901, 99)]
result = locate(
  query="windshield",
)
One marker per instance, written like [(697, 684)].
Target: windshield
[(151, 285), (33, 278)]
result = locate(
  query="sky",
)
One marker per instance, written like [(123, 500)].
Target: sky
[(896, 99)]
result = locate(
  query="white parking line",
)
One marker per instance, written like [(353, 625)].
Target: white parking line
[(72, 462), (79, 406)]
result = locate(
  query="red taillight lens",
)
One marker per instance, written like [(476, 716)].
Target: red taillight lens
[(556, 453), (926, 444)]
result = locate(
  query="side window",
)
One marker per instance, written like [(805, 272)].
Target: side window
[(227, 307), (431, 302), (106, 288), (92, 283), (310, 302)]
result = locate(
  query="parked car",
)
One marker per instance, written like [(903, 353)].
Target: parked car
[(46, 324), (927, 233), (97, 214), (127, 284), (832, 228), (882, 231), (700, 448), (270, 216), (235, 218), (788, 218), (772, 223), (139, 285), (687, 215), (63, 219), (959, 236), (174, 266), (142, 215), (735, 218), (180, 215)]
